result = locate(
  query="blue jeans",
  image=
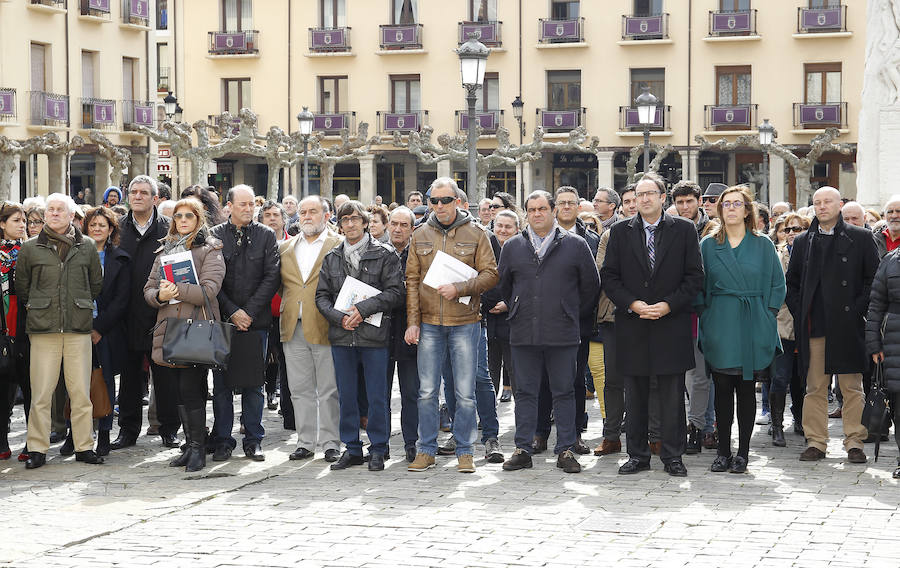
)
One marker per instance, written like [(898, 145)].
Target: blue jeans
[(485, 395), (252, 401), (462, 343), (374, 363), (408, 377)]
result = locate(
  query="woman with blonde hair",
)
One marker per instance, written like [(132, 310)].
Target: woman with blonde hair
[(188, 232), (743, 289)]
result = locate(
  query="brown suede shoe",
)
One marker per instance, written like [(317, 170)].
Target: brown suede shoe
[(538, 445), (710, 441), (855, 455), (812, 454), (607, 447), (655, 448), (838, 413)]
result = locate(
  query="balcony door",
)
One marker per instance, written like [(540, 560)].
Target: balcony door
[(655, 79), (237, 15), (404, 12), (87, 74), (564, 90), (333, 95), (565, 9), (39, 67), (488, 97), (734, 5), (405, 93), (129, 79), (646, 8), (483, 10), (733, 85), (823, 84), (236, 95), (333, 13)]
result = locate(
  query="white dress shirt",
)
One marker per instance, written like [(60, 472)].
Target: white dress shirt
[(307, 253)]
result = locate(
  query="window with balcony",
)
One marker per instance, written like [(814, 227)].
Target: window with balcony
[(487, 106), (236, 95), (332, 34), (482, 10), (405, 93), (130, 78), (162, 14), (334, 113), (565, 9), (646, 8), (822, 16), (482, 22), (237, 15), (734, 18), (822, 106), (564, 90), (163, 83), (404, 12), (404, 32), (654, 79), (95, 8), (332, 13), (235, 36), (646, 22), (733, 110)]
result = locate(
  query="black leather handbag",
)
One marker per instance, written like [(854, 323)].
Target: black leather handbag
[(198, 342), (875, 412)]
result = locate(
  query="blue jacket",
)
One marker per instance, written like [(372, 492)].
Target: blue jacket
[(547, 299)]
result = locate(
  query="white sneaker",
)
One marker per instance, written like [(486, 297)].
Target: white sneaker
[(764, 419)]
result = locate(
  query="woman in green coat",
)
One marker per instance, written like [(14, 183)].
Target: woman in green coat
[(743, 290)]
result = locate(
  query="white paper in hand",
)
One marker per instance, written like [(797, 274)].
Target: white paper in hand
[(354, 291), (446, 269)]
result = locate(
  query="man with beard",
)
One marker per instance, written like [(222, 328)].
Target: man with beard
[(304, 335)]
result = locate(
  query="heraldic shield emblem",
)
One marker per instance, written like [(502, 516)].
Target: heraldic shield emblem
[(328, 122), (821, 19), (560, 29), (229, 41), (401, 122), (327, 39), (398, 36), (820, 114), (729, 116), (558, 120), (644, 26), (731, 23)]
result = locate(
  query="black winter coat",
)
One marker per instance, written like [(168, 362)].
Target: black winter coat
[(379, 267), (112, 306), (884, 313), (547, 299), (588, 321), (252, 272), (846, 280), (497, 325), (400, 350), (653, 347), (142, 250)]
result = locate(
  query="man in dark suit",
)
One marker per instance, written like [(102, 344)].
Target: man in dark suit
[(652, 272)]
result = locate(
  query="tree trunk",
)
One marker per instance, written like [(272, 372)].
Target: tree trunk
[(272, 182), (326, 180), (7, 167)]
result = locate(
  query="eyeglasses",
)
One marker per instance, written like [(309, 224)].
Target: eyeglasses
[(187, 215), (496, 206), (732, 204), (643, 194), (601, 201), (794, 229), (35, 222), (591, 226), (567, 203), (709, 199), (445, 200), (350, 219)]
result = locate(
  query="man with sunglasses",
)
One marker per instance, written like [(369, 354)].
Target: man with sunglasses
[(710, 196), (442, 321)]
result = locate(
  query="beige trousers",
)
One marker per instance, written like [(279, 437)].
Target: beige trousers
[(815, 403), (48, 350)]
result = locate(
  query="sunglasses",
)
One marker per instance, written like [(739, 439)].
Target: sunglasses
[(591, 226), (445, 200), (794, 229), (495, 206), (187, 215), (709, 199)]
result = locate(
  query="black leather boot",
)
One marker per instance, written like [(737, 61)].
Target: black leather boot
[(776, 410), (103, 443), (182, 460), (196, 453), (68, 447)]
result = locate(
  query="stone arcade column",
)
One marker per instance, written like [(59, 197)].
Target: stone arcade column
[(443, 169), (103, 175), (776, 179), (605, 169), (367, 179), (56, 173), (690, 160)]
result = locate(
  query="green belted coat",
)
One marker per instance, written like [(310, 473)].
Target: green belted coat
[(742, 292)]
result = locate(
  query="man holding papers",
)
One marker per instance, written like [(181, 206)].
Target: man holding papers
[(443, 311), (359, 285)]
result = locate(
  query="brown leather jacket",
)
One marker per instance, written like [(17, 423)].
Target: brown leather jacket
[(465, 241)]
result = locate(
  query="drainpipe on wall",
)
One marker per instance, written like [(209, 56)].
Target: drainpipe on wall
[(688, 153), (68, 166), (287, 171)]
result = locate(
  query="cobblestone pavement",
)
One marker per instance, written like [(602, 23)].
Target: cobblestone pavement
[(135, 511)]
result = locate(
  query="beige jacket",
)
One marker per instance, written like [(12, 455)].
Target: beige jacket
[(465, 241), (606, 309), (296, 292)]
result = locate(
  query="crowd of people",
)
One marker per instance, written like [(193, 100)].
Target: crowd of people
[(671, 306)]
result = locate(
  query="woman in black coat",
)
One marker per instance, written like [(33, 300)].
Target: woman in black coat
[(109, 333), (883, 331)]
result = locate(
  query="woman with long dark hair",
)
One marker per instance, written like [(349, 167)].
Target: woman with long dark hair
[(210, 201), (12, 232), (187, 232), (109, 333)]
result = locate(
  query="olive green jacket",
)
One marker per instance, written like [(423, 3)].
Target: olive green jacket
[(58, 295)]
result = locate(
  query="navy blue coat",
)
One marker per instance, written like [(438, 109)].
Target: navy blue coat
[(142, 250), (547, 299), (112, 308)]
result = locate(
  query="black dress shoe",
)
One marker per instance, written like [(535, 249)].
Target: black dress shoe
[(123, 441), (387, 456), (254, 452), (35, 460), (633, 465), (347, 460), (410, 454), (676, 469), (301, 454), (738, 465), (169, 440), (88, 456), (506, 396), (222, 453), (720, 464), (376, 462), (332, 455), (68, 447), (57, 437)]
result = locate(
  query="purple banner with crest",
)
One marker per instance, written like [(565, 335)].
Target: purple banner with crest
[(104, 113), (823, 18), (143, 115), (632, 118), (329, 122), (651, 25), (486, 120), (322, 39), (225, 42), (139, 9), (7, 103), (559, 29), (401, 121), (731, 115), (486, 33), (560, 118), (56, 109), (399, 36), (726, 22), (824, 114), (102, 5)]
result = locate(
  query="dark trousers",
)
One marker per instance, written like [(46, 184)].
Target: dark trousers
[(408, 377), (8, 387), (545, 396), (613, 386), (500, 363), (131, 393), (275, 358), (534, 364), (191, 382), (672, 417), (729, 388), (287, 405)]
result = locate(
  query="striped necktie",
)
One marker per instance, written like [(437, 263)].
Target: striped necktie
[(651, 246)]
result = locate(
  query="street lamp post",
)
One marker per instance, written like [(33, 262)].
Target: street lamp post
[(174, 111), (305, 118), (767, 135), (646, 107), (472, 61), (517, 106)]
